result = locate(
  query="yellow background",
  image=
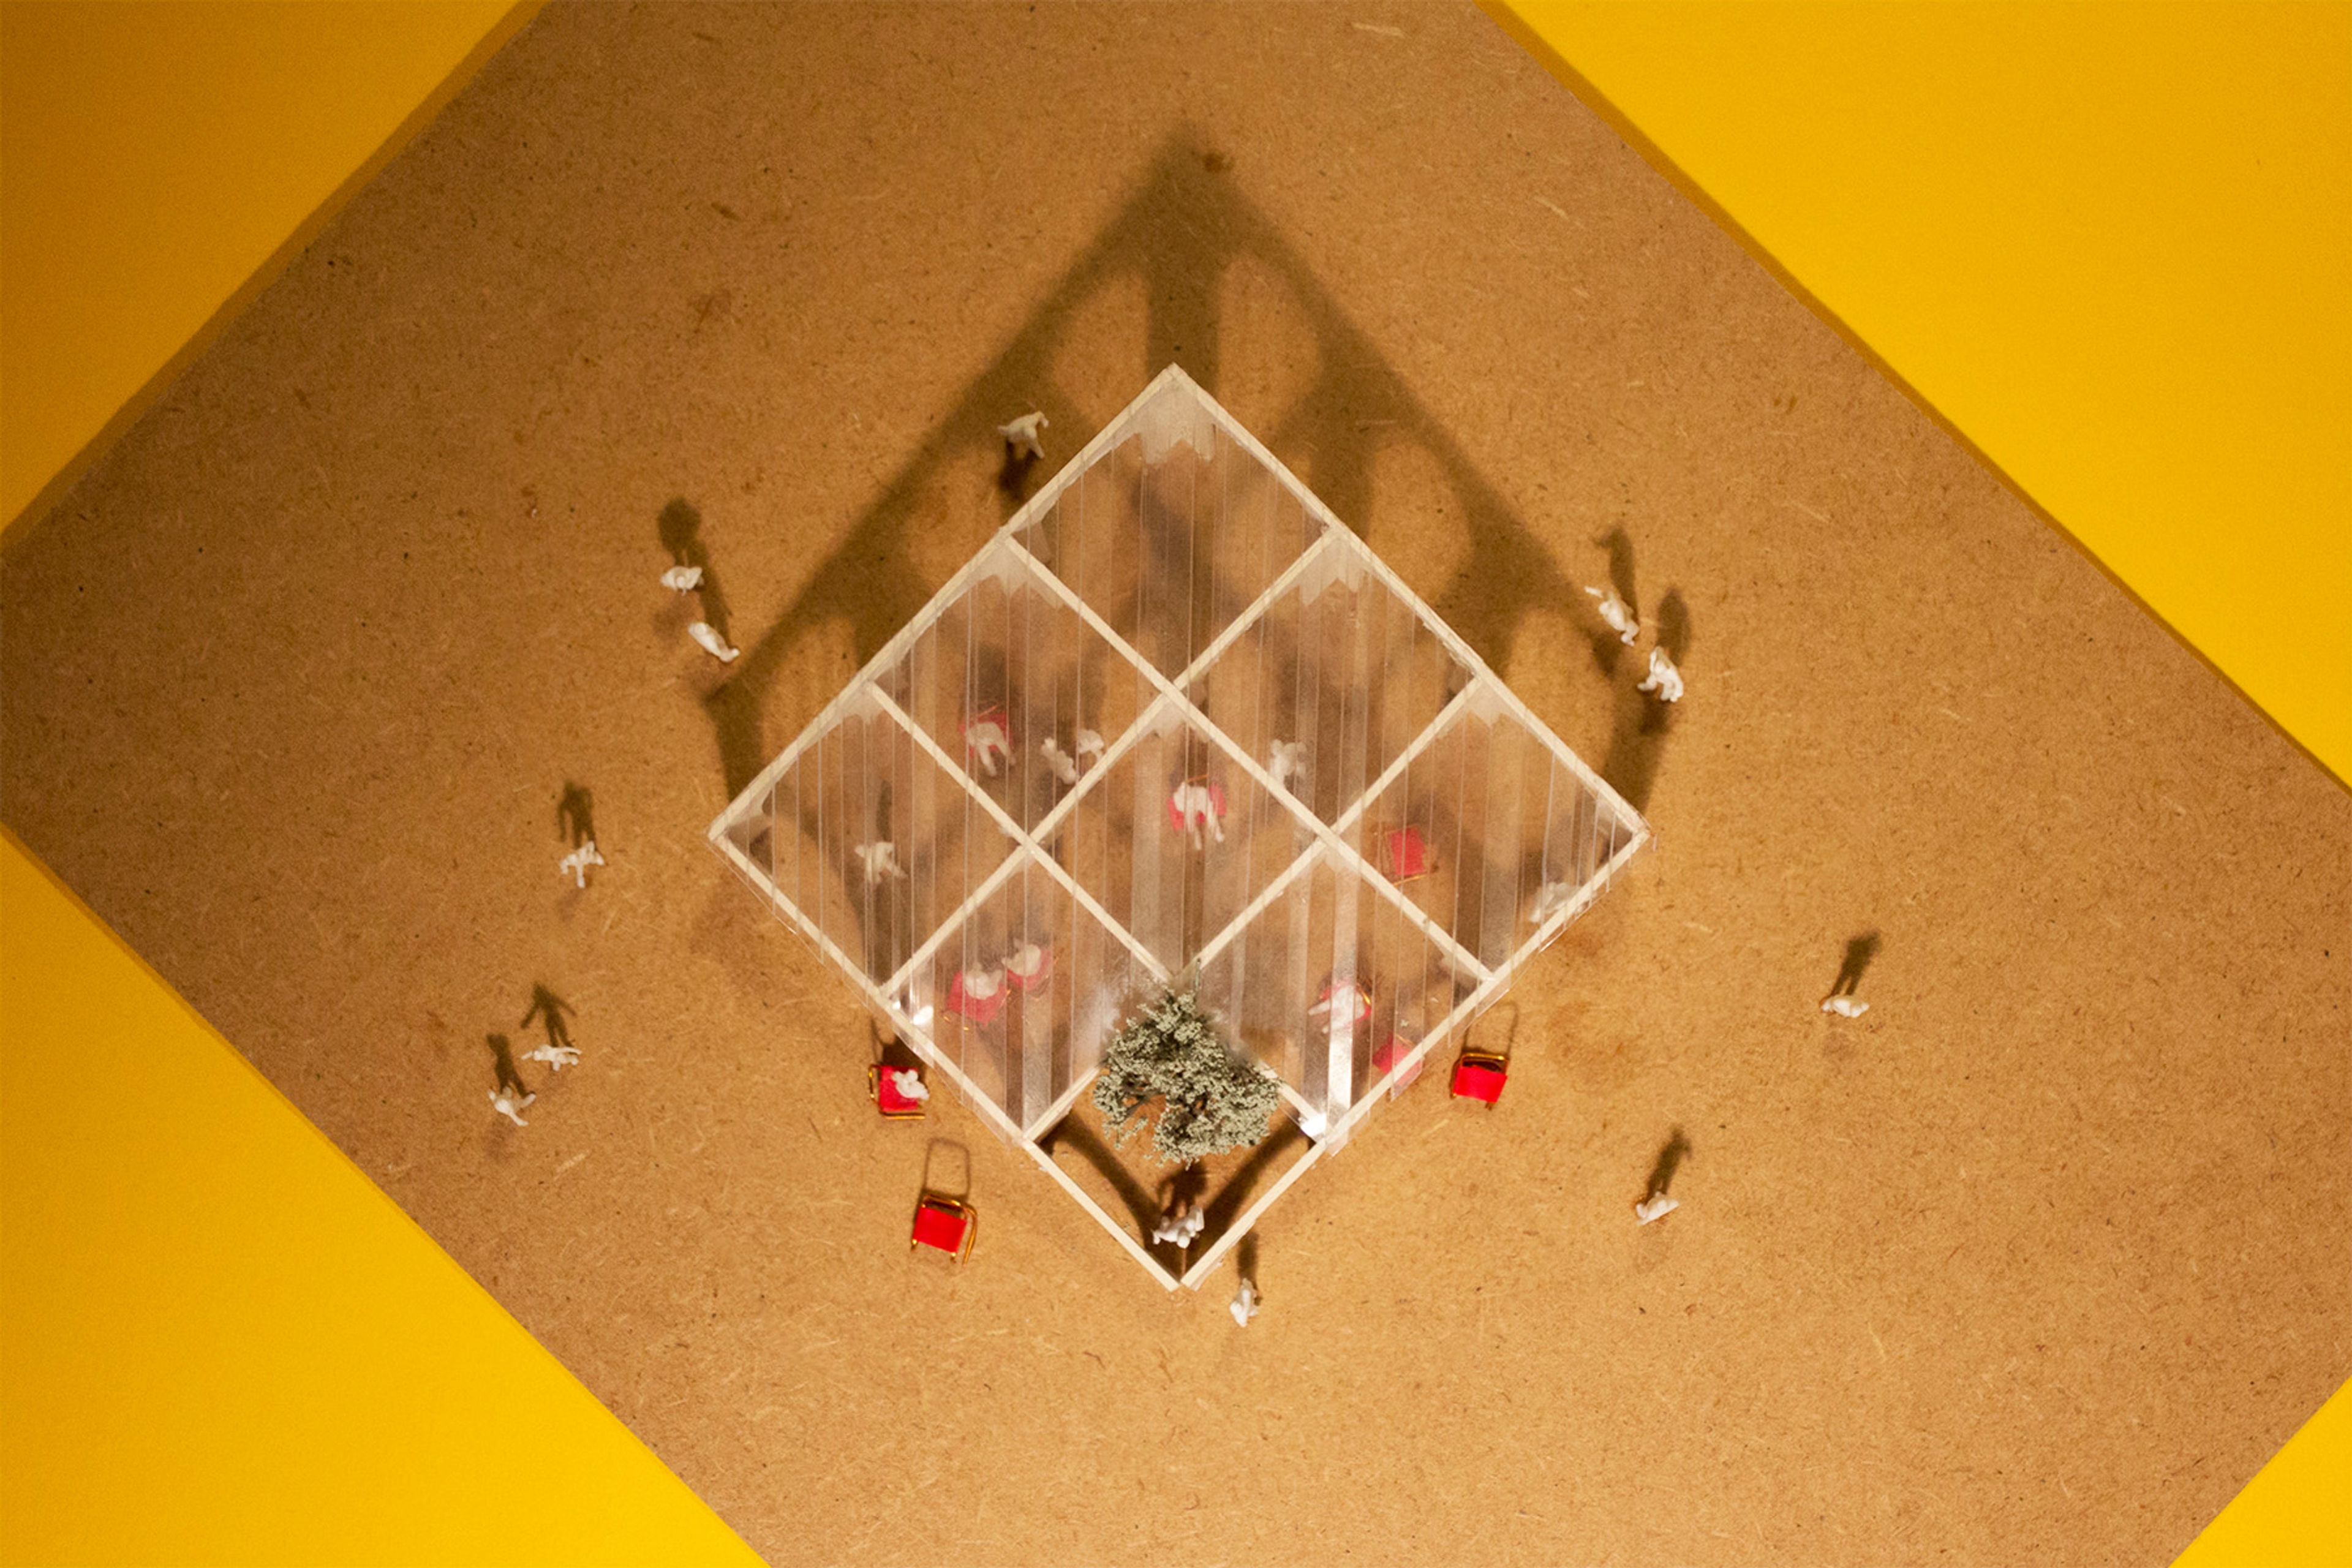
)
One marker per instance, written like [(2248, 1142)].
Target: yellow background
[(2108, 245)]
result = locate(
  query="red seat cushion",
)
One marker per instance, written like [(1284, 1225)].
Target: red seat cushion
[(939, 1226), (1408, 854), (1478, 1080)]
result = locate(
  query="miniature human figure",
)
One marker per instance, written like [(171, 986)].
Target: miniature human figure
[(685, 579), (1245, 1303), (557, 1058), (1845, 1006), (1182, 1227), (1030, 965), (1621, 619), (504, 1100), (704, 633), (984, 739), (910, 1084), (1065, 767), (1344, 1000), (1287, 759), (880, 860), (1657, 1205), (1021, 435), (1194, 807), (1664, 677), (578, 861), (1090, 747), (977, 993), (1548, 899)]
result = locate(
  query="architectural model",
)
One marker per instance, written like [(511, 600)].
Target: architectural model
[(1176, 728)]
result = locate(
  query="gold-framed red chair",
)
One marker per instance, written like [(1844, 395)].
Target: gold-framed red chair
[(1480, 1076), (945, 1224), (882, 1086)]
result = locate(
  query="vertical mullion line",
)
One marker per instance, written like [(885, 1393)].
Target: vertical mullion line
[(1191, 635)]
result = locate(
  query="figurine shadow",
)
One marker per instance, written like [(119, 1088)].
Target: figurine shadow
[(575, 815), (1670, 1160), (1246, 1258), (547, 1006), (1637, 740), (1609, 649), (1013, 478), (502, 1063), (1859, 952), (1180, 232)]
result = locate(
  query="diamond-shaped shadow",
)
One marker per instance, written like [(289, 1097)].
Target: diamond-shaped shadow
[(1332, 681), (868, 842), (1174, 837), (1491, 831), (1012, 684)]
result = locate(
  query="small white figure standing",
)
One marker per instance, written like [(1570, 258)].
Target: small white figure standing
[(1245, 1303), (707, 635), (1090, 747), (984, 739), (1664, 677), (1020, 433), (880, 860), (575, 865), (1613, 610), (504, 1100), (1845, 1006), (1182, 1227), (1657, 1205), (1287, 759), (1196, 808), (557, 1058), (685, 579), (1548, 899), (1064, 766), (910, 1084)]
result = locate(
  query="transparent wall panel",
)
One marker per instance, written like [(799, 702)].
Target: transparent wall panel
[(1174, 839), (1331, 683), (1173, 532), (1023, 993), (870, 840), (1014, 687), (1329, 981), (1489, 830)]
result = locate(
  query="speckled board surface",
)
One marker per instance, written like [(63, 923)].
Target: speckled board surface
[(2037, 1260)]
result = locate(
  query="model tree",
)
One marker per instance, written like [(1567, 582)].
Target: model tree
[(1172, 1051)]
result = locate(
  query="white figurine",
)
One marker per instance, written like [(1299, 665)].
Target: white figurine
[(576, 864), (880, 860), (1613, 611), (557, 1058), (1664, 678), (1287, 759), (1090, 747), (1244, 1304), (984, 739), (1845, 1006), (1196, 807), (979, 985), (910, 1084), (1346, 1002), (1024, 961), (685, 579), (704, 633), (1021, 435), (1065, 767), (1657, 1205), (1182, 1227), (1548, 899), (503, 1101)]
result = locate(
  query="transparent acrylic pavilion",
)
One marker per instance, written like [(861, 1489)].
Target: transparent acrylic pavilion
[(1176, 717)]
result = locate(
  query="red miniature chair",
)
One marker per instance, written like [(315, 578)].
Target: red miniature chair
[(1388, 1057), (1176, 816), (1325, 1003), (1479, 1075), (981, 1010), (944, 1223), (1404, 855), (880, 1083)]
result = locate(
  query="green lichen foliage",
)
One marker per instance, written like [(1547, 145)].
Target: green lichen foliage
[(1172, 1051)]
